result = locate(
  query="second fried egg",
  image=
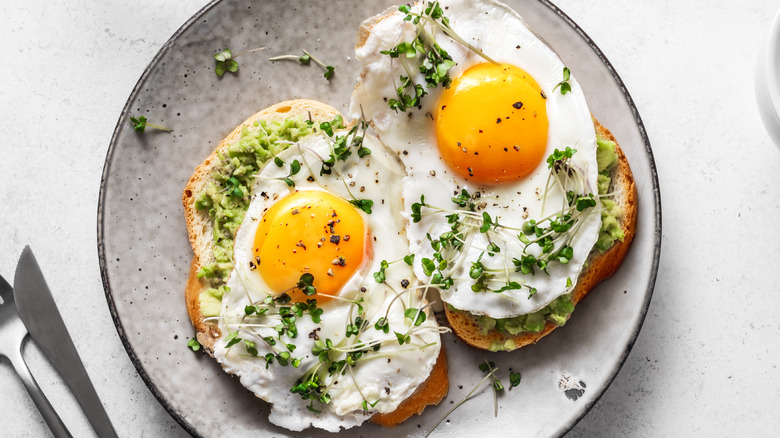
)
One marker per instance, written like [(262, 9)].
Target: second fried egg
[(489, 133)]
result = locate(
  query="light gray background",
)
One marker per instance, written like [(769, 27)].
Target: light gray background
[(706, 361)]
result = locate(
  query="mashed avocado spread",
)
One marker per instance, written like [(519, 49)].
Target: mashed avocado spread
[(227, 195), (560, 308)]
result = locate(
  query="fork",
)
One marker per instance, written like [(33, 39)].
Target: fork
[(12, 335)]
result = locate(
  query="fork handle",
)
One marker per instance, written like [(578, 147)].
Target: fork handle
[(39, 398)]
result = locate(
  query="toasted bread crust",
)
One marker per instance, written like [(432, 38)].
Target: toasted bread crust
[(432, 391), (600, 265)]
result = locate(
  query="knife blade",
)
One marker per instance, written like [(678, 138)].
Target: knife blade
[(39, 313)]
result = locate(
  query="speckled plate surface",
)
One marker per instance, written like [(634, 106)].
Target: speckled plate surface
[(145, 254)]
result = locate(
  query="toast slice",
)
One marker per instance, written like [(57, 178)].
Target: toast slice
[(200, 226), (600, 265), (200, 229)]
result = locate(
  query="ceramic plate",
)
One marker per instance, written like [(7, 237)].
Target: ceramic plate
[(145, 254)]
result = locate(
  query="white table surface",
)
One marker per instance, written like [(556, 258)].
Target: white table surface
[(706, 361)]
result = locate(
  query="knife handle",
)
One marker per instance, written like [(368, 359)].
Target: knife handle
[(39, 398)]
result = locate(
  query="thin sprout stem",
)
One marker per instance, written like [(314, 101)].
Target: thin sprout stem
[(285, 58), (354, 381), (451, 33), (249, 51), (249, 325), (158, 127), (320, 63), (457, 405)]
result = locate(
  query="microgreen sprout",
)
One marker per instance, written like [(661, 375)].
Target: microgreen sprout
[(490, 368), (429, 58), (382, 324), (416, 315), (233, 186), (514, 379), (193, 344), (305, 284), (363, 204), (379, 275), (310, 387), (366, 404), (295, 167), (490, 375), (306, 59), (341, 149), (226, 61), (564, 84), (140, 124)]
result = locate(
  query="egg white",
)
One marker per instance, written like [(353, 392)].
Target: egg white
[(503, 35), (389, 375)]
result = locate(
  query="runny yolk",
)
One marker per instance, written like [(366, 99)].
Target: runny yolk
[(491, 124), (309, 232)]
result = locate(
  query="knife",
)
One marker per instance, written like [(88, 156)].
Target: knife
[(39, 313)]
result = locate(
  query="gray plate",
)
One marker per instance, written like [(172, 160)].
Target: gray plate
[(145, 254)]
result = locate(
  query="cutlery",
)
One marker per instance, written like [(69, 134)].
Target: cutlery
[(12, 335), (39, 313)]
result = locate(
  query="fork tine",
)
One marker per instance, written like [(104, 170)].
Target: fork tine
[(6, 291)]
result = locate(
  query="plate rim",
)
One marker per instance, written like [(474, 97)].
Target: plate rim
[(650, 287), (135, 360)]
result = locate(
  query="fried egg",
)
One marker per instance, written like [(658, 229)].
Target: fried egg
[(489, 133), (303, 298)]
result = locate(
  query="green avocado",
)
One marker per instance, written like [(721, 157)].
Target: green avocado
[(211, 301), (557, 312), (507, 345), (226, 197), (611, 231)]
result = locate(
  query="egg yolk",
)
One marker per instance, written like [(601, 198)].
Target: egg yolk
[(491, 124), (309, 232)]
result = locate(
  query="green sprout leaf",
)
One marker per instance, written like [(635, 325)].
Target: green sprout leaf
[(428, 266), (584, 202), (366, 404), (194, 344), (514, 379), (414, 315), (232, 339), (250, 346), (225, 63), (564, 84), (363, 204), (403, 338), (295, 167), (417, 209), (305, 284), (382, 324), (140, 124), (379, 276), (487, 222), (329, 70)]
